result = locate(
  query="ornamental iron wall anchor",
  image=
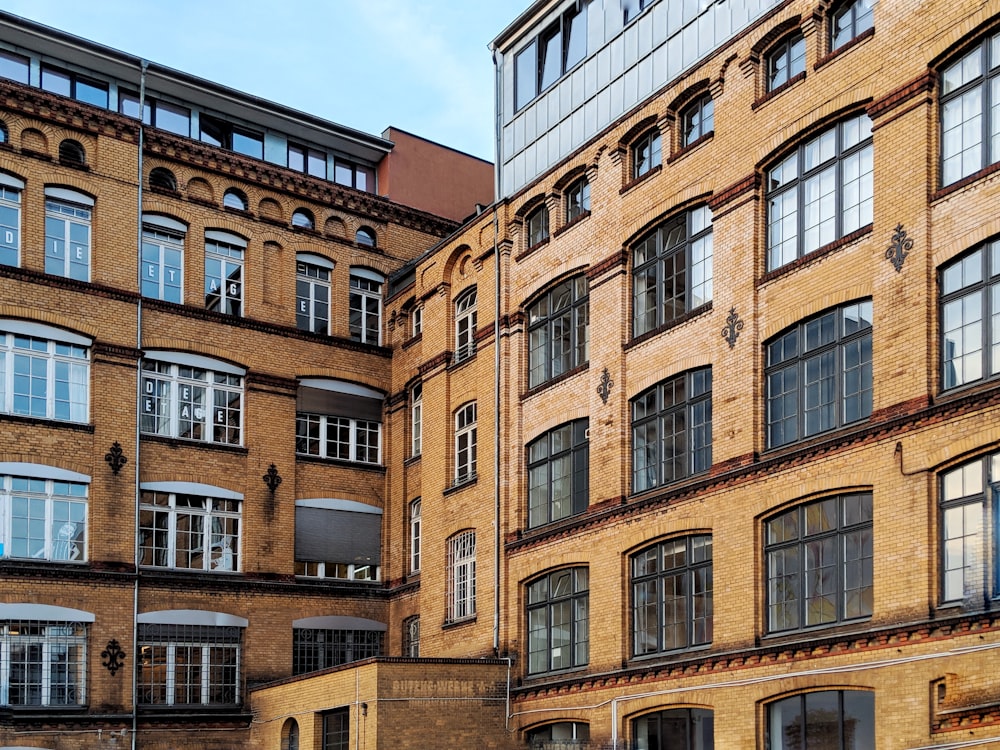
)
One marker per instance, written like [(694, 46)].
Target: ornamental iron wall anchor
[(604, 388), (733, 327), (113, 657), (272, 478), (116, 458), (901, 245)]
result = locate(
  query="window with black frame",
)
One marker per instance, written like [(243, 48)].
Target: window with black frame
[(850, 20), (558, 473), (970, 317), (675, 729), (550, 55), (558, 620), (646, 153), (822, 720), (697, 119), (558, 331)]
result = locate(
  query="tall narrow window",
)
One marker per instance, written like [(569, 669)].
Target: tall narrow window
[(415, 529), (697, 119), (970, 111), (819, 563), (577, 200), (465, 443), (672, 595), (818, 374), (416, 419), (461, 576), (559, 473), (337, 729), (558, 607), (558, 331), (536, 225), (162, 259), (10, 220), (786, 61), (672, 270), (67, 233), (366, 306), (820, 192), (312, 293), (672, 430), (224, 272), (646, 154), (465, 325), (411, 637), (551, 55)]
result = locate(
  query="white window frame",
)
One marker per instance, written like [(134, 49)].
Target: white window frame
[(163, 238), (465, 443), (416, 419), (64, 505), (224, 286), (65, 256), (465, 324), (461, 576), (411, 637), (167, 382), (417, 321), (65, 358), (355, 428), (415, 529), (10, 219), (366, 287), (224, 548), (313, 277)]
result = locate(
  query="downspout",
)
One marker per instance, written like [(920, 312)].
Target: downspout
[(496, 366), (138, 411)]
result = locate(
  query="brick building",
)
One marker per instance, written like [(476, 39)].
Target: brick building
[(688, 440)]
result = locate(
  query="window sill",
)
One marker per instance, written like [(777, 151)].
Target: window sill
[(413, 341), (450, 624), (641, 178), (310, 459), (779, 90), (553, 381), (666, 657), (693, 145), (816, 254), (174, 442), (457, 485), (73, 164), (690, 315), (412, 460), (792, 636), (954, 187), (846, 46), (455, 363), (78, 426)]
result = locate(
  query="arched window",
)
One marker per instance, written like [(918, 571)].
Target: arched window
[(365, 237), (338, 539), (697, 119), (290, 735), (536, 226), (10, 219), (465, 325), (162, 265), (465, 443), (313, 275), (559, 473), (564, 735), (30, 494), (970, 317), (461, 576), (72, 152), (577, 200), (786, 60), (831, 719), (224, 254), (338, 420), (416, 419), (68, 215), (235, 199), (687, 728), (970, 504), (558, 620), (411, 637), (558, 331), (162, 178), (303, 218), (646, 153), (849, 20), (415, 534)]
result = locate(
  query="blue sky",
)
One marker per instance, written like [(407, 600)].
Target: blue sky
[(420, 65)]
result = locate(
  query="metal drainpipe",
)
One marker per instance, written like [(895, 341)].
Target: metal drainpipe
[(496, 364), (138, 404)]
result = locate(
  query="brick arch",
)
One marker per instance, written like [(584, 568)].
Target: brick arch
[(335, 226), (170, 343), (951, 246), (546, 423), (344, 375), (773, 35), (269, 208), (33, 139), (373, 262), (153, 204), (861, 289), (200, 188), (645, 124), (33, 458), (74, 324)]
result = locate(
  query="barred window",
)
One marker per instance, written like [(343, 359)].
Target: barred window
[(315, 649), (189, 665), (465, 325), (461, 576), (43, 519), (190, 532), (43, 663)]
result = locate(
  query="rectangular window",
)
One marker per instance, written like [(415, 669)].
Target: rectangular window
[(337, 730), (825, 720), (465, 325), (314, 649), (308, 160), (224, 134), (415, 529), (74, 85), (170, 117), (10, 226), (340, 438), (14, 67), (632, 8), (189, 532), (577, 200), (418, 321), (162, 265), (67, 240), (191, 403), (646, 154), (461, 576), (43, 664), (42, 519), (353, 175), (312, 298), (224, 277), (558, 331), (465, 444), (188, 665), (551, 55), (44, 379), (416, 419), (365, 308)]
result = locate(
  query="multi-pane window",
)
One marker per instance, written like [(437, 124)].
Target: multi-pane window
[(697, 119), (536, 226), (820, 192), (364, 237), (551, 55), (411, 637), (67, 239), (188, 665), (786, 61), (416, 419), (43, 378), (461, 576), (819, 563), (970, 317), (676, 729), (417, 321), (162, 264), (337, 730), (672, 595), (558, 331), (353, 175), (646, 154), (465, 443), (43, 664), (366, 306), (970, 505), (192, 402), (672, 270), (10, 224), (822, 720), (312, 294), (577, 200), (465, 325), (558, 620), (415, 530), (224, 272), (558, 473), (309, 160), (318, 648), (970, 111), (850, 20), (560, 735), (189, 532), (81, 88), (672, 430), (43, 519), (819, 374), (341, 438), (338, 570)]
